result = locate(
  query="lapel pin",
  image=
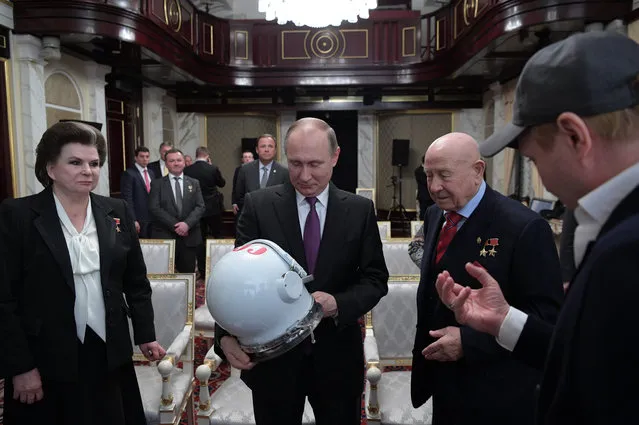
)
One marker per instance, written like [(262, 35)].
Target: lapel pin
[(190, 188), (489, 247), (117, 224), (478, 240)]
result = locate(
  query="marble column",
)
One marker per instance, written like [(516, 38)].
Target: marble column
[(287, 118), (366, 152), (190, 133), (471, 122), (31, 117), (152, 98), (95, 107), (497, 177)]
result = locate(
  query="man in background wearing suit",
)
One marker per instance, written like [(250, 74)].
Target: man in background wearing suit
[(210, 178), (260, 174), (159, 167), (423, 197), (332, 234), (135, 186), (176, 207), (247, 156), (576, 115), (471, 222)]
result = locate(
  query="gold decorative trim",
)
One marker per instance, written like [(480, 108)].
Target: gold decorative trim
[(414, 39), (365, 31), (438, 46), (167, 12), (372, 364), (369, 320), (326, 53), (470, 4), (10, 117), (209, 244), (211, 364), (403, 278), (167, 401), (212, 48), (386, 227), (246, 41), (306, 33), (205, 406)]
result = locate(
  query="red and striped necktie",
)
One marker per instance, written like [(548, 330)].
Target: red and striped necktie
[(447, 233)]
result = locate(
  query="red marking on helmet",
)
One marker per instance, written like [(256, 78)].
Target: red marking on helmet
[(254, 250)]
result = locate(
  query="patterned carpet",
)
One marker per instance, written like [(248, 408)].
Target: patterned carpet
[(217, 378)]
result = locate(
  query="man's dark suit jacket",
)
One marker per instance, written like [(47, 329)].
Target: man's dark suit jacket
[(155, 167), (235, 173), (210, 178), (37, 294), (164, 214), (423, 195), (487, 385), (591, 369), (248, 179), (350, 266), (133, 190)]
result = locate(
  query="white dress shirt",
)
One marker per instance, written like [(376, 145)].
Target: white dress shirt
[(172, 181), (268, 166), (303, 208), (141, 170), (84, 253), (592, 212)]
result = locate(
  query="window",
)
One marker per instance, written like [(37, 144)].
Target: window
[(62, 100)]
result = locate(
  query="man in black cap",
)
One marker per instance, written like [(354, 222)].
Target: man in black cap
[(576, 115)]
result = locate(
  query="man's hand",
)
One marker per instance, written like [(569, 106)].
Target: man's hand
[(27, 387), (137, 227), (181, 228), (447, 348), (152, 350), (482, 309), (234, 354), (236, 209), (329, 305)]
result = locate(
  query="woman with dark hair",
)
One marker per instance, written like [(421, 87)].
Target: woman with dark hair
[(73, 272)]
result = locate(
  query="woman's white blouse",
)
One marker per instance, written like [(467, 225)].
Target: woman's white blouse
[(84, 252)]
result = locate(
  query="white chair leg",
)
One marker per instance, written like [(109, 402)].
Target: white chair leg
[(373, 375)]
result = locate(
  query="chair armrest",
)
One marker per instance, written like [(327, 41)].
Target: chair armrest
[(165, 367), (371, 354), (203, 373)]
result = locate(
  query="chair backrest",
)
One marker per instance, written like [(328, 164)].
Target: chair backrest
[(173, 300), (159, 255), (397, 259), (414, 227), (384, 230), (215, 249), (393, 321)]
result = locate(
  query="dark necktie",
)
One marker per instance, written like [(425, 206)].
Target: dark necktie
[(447, 233), (178, 195), (264, 179), (312, 235)]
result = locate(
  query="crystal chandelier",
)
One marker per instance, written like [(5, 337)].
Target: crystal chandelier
[(316, 13)]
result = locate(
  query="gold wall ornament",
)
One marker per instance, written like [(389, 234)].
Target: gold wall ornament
[(471, 8), (173, 14)]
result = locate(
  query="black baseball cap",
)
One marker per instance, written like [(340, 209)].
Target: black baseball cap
[(587, 73)]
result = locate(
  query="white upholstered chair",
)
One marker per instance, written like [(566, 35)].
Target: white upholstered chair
[(231, 403), (166, 389), (397, 258), (390, 334), (414, 227), (159, 255), (215, 249), (384, 230)]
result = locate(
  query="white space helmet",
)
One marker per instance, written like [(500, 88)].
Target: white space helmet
[(256, 293)]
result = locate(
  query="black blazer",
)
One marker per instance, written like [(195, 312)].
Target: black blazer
[(350, 266), (164, 214), (37, 292), (590, 356), (133, 190), (487, 385), (210, 178), (155, 167), (423, 195), (233, 194), (248, 179)]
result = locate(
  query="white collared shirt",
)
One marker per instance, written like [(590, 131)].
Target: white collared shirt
[(303, 208), (172, 181), (592, 212), (84, 253), (141, 170)]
